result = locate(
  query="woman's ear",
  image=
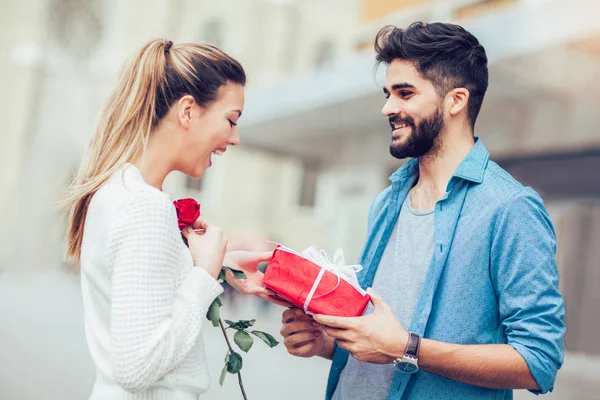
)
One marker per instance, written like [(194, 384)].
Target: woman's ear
[(185, 108)]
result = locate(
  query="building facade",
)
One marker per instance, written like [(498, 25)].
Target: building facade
[(315, 147)]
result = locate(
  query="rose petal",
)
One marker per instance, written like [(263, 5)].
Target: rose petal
[(188, 211)]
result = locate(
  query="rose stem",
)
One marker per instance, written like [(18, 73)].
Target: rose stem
[(239, 374)]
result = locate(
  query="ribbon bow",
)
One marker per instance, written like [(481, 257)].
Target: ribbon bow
[(337, 267), (321, 258)]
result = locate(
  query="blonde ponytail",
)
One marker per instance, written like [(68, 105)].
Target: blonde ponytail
[(150, 82)]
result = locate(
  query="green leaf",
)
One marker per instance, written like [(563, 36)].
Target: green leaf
[(240, 325), (234, 363), (265, 337), (214, 312), (247, 323), (233, 325), (236, 274), (243, 340), (223, 373), (222, 277)]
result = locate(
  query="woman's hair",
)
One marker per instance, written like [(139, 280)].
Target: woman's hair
[(155, 78)]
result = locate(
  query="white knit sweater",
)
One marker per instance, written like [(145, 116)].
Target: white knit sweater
[(144, 301)]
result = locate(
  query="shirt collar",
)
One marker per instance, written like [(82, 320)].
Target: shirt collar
[(471, 168), (474, 164)]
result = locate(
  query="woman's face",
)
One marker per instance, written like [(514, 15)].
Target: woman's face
[(210, 129)]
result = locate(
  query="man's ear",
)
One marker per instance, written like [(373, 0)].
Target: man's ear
[(457, 101)]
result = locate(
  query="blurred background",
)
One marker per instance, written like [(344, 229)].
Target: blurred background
[(314, 154)]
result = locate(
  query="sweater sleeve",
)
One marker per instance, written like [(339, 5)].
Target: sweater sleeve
[(154, 324)]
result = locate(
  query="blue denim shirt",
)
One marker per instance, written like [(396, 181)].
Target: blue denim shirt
[(492, 278)]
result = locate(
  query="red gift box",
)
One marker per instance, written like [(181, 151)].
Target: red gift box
[(292, 277)]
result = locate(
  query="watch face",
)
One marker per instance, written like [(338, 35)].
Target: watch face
[(406, 367)]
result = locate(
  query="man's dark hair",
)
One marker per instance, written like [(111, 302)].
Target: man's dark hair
[(446, 54)]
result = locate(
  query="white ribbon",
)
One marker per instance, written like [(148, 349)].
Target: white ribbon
[(337, 267)]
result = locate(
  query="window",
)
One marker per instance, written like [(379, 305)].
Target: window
[(308, 188)]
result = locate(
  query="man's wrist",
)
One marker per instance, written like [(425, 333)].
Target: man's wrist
[(399, 348), (328, 348)]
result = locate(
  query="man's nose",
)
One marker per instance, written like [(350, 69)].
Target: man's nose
[(391, 107)]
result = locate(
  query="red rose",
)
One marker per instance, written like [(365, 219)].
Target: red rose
[(188, 211)]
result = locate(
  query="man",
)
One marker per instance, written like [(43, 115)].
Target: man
[(459, 253)]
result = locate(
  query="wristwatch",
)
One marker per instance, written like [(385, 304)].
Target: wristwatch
[(409, 362)]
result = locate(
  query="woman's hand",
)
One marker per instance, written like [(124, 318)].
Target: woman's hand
[(207, 248), (246, 261)]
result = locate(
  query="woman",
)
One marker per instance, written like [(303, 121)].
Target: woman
[(145, 293)]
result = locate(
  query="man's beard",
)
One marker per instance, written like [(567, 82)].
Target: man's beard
[(422, 139)]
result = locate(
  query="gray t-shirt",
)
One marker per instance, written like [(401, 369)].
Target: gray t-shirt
[(398, 280)]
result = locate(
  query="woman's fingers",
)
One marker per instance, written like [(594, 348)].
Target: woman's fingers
[(187, 232), (200, 225)]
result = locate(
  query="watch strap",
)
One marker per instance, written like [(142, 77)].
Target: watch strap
[(412, 347)]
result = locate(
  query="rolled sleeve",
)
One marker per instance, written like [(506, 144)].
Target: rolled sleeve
[(525, 275)]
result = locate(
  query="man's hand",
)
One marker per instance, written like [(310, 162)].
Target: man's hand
[(380, 338), (303, 337), (246, 261), (376, 338)]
